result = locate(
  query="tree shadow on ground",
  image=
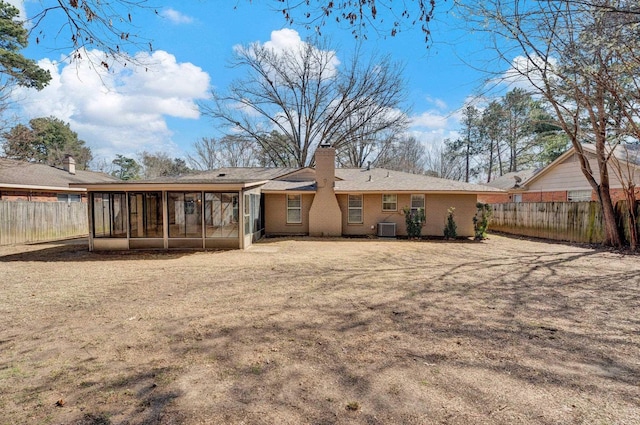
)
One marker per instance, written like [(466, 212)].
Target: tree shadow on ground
[(522, 336)]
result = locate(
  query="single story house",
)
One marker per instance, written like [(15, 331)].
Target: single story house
[(232, 207), (563, 180), (28, 181)]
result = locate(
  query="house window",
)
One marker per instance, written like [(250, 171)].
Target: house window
[(389, 202), (69, 197), (417, 202), (109, 214), (221, 215), (185, 214), (294, 209), (355, 209), (579, 195), (517, 197), (145, 215)]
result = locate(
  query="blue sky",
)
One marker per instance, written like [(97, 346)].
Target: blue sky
[(128, 110)]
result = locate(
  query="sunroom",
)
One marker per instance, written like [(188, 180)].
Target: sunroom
[(171, 215)]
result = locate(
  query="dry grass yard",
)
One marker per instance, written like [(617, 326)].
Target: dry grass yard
[(306, 331)]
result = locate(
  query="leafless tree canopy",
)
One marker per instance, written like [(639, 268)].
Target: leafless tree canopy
[(228, 151), (107, 25), (361, 15), (307, 97)]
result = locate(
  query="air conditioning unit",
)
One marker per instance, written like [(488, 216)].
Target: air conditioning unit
[(387, 230)]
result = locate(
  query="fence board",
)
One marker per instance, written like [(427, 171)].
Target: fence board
[(564, 221), (23, 222)]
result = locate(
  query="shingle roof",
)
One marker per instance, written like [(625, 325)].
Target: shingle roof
[(509, 181), (240, 173), (383, 180), (289, 186), (21, 173)]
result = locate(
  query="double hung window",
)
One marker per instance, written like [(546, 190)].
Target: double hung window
[(390, 202), (294, 209), (355, 209)]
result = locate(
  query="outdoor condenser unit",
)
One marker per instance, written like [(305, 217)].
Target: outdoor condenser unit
[(387, 230)]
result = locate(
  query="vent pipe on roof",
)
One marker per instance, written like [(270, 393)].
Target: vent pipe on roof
[(370, 178), (69, 164)]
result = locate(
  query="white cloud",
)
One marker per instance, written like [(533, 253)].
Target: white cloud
[(432, 127), (122, 110), (287, 45), (525, 72), (438, 103), (176, 17), (430, 120)]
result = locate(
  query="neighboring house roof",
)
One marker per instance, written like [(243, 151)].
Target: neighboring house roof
[(28, 175), (513, 180), (618, 154)]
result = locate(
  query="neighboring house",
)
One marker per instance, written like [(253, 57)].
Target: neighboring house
[(563, 180), (232, 207), (509, 183), (27, 181)]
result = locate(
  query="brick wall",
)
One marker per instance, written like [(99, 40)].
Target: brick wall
[(557, 196), (494, 198), (32, 196)]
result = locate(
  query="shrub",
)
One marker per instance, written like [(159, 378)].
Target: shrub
[(481, 220), (415, 221), (450, 228)]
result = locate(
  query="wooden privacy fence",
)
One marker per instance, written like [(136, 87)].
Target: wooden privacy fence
[(22, 222), (564, 221)]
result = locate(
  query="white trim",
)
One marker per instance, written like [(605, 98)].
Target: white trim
[(298, 208), (47, 188), (361, 208)]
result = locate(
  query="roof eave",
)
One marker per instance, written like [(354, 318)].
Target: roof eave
[(38, 187), (157, 186)]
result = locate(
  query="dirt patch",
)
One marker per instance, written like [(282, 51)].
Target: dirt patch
[(505, 331)]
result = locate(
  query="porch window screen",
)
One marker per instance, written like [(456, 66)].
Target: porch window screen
[(294, 209), (109, 215), (185, 214), (355, 209), (145, 215), (221, 215)]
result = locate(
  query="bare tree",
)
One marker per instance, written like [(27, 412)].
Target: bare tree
[(361, 15), (306, 96), (103, 24), (403, 154), (440, 163), (228, 151), (568, 50)]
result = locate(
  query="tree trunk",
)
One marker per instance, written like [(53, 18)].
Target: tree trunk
[(632, 219), (612, 232)]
